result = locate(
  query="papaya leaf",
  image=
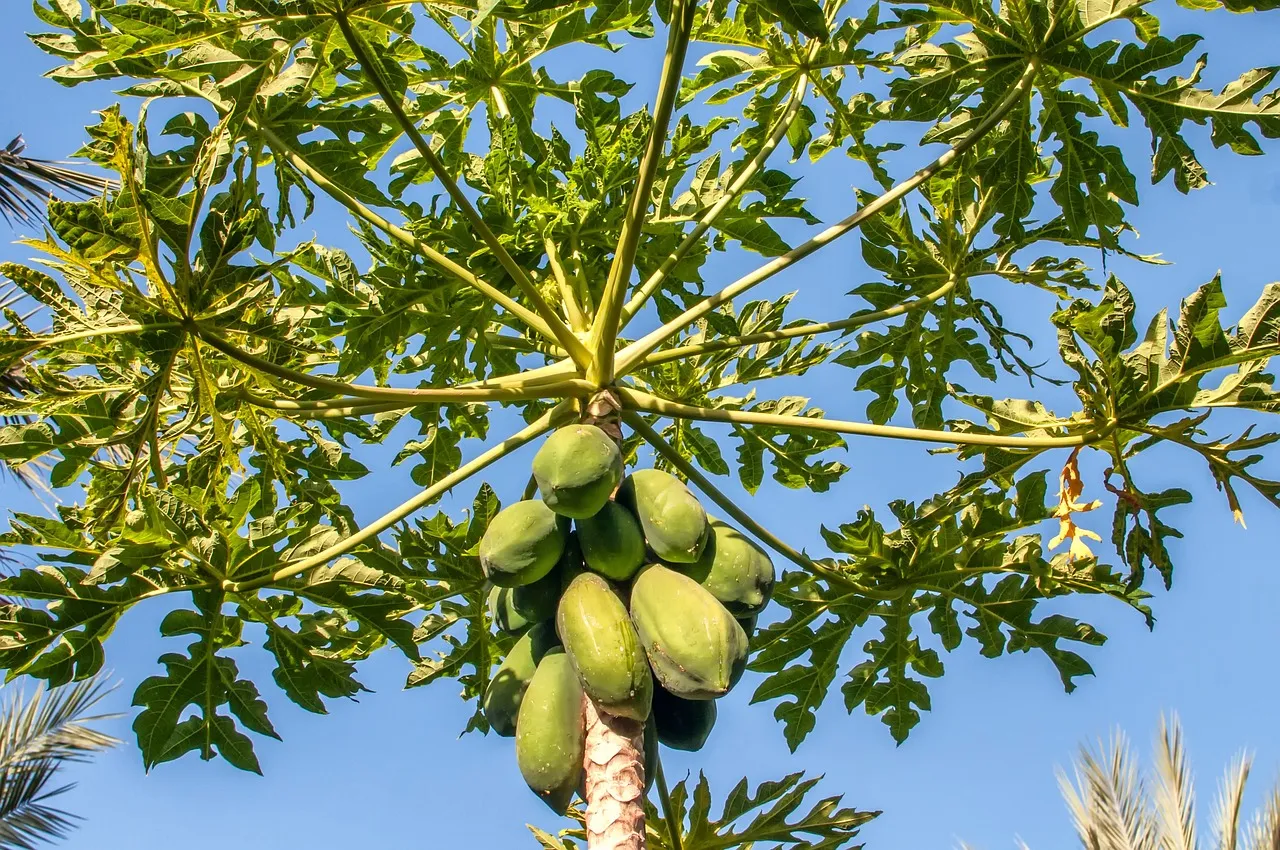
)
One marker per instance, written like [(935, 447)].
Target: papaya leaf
[(965, 555), (776, 812), (64, 642), (205, 680), (456, 634)]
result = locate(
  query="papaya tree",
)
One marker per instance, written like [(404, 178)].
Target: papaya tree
[(537, 235)]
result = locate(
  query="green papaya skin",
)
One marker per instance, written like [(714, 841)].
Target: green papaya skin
[(514, 609), (749, 625), (571, 563), (682, 724), (577, 469), (674, 523), (696, 648), (612, 542), (507, 687), (734, 570), (522, 544), (550, 739), (603, 646)]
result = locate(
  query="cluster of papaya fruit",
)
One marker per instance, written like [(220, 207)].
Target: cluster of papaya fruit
[(623, 590)]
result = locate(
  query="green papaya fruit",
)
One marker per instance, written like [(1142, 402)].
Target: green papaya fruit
[(507, 687), (522, 544), (735, 570), (612, 542), (515, 609), (604, 648), (577, 469), (695, 647), (682, 724), (748, 625), (549, 734), (571, 563), (674, 523)]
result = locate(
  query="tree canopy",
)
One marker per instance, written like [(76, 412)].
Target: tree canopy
[(206, 381)]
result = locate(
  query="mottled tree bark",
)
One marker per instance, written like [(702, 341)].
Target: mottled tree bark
[(613, 766), (614, 780)]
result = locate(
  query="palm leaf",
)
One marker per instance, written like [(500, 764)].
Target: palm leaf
[(1108, 801), (13, 382), (1175, 796), (25, 182), (12, 379), (1264, 831), (1226, 813), (1113, 809), (37, 736), (27, 820)]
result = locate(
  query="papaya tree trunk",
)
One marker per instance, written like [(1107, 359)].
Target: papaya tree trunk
[(614, 780), (613, 763)]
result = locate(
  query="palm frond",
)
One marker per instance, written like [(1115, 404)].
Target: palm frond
[(37, 736), (1175, 794), (52, 724), (13, 381), (25, 182), (1112, 808), (1108, 801), (1226, 812), (25, 819), (1264, 831)]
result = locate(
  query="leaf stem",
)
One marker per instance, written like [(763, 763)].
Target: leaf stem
[(45, 342), (326, 409), (556, 389), (674, 830), (637, 350), (662, 447), (562, 370), (404, 237), (392, 99), (604, 331), (775, 137), (530, 432), (638, 400), (747, 340), (577, 319), (520, 343)]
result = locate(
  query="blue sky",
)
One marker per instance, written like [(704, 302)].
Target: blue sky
[(979, 768)]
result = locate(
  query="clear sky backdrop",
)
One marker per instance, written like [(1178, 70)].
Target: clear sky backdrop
[(391, 768)]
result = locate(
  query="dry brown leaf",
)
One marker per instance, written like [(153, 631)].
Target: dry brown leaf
[(1070, 486)]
